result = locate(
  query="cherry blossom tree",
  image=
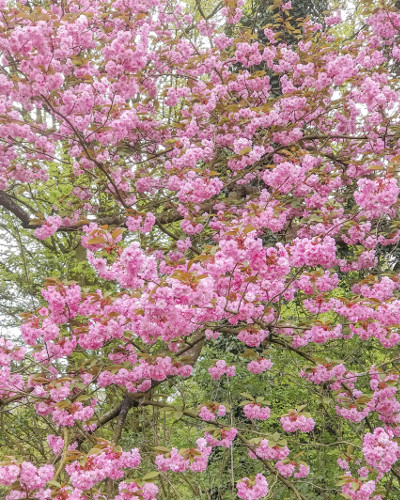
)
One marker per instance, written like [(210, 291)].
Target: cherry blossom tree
[(233, 239)]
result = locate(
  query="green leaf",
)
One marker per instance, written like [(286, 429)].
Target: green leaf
[(97, 240), (162, 449), (151, 475), (249, 354), (117, 232), (244, 151), (54, 483)]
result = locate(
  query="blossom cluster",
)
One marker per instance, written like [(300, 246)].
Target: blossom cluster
[(252, 489)]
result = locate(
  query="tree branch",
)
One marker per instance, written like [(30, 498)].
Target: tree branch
[(125, 406), (9, 204)]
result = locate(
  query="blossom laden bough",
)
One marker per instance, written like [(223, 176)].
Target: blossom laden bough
[(218, 215)]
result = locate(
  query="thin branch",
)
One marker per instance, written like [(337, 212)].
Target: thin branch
[(126, 405)]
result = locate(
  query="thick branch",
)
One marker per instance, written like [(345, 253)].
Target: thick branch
[(110, 415), (9, 204)]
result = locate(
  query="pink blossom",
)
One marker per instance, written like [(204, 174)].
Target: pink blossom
[(221, 368), (260, 365), (297, 422), (56, 443), (48, 228), (271, 451), (256, 412), (252, 489), (174, 462), (380, 451)]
